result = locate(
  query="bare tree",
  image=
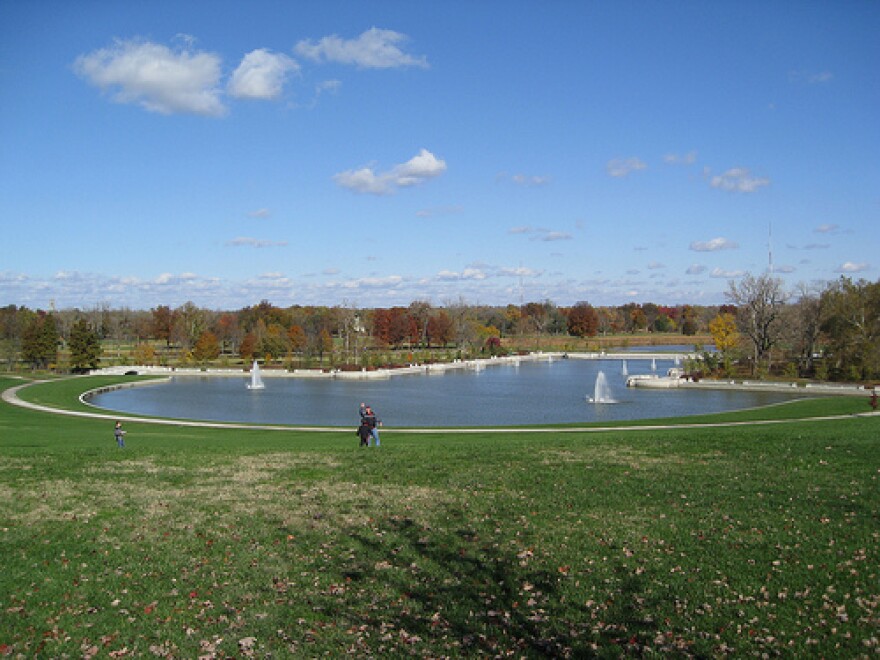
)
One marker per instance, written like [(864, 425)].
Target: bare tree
[(759, 302), (420, 310), (803, 325)]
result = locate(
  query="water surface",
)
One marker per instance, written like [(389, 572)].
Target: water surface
[(505, 395)]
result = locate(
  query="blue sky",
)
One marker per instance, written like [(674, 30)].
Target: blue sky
[(376, 153)]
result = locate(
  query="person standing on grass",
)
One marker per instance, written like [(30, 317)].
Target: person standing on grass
[(364, 432), (373, 423), (120, 435)]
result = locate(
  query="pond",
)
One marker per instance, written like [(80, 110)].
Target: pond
[(533, 392)]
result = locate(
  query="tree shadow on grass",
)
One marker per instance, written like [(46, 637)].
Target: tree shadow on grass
[(458, 592)]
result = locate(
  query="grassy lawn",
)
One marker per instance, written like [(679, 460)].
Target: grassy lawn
[(217, 542)]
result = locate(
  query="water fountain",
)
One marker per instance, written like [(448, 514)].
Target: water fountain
[(653, 364), (601, 391), (256, 380), (623, 370)]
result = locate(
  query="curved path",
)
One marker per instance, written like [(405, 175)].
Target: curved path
[(10, 396)]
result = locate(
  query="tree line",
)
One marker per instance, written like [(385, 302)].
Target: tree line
[(830, 332)]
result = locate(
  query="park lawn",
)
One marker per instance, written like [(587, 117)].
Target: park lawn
[(228, 542)]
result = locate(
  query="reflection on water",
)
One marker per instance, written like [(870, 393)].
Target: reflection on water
[(507, 395)]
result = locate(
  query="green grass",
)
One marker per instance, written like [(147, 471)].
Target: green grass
[(220, 542)]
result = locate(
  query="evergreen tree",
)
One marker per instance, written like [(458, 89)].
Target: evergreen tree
[(85, 347), (39, 344)]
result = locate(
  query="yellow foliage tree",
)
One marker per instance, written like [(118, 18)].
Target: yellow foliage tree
[(725, 335), (144, 354), (207, 347)]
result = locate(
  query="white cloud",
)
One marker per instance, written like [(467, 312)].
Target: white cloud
[(155, 77), (423, 166), (364, 180), (374, 49), (656, 265), (170, 279), (620, 167), (549, 236), (520, 271), (261, 75), (541, 233), (851, 267), (738, 179), (417, 170), (524, 180), (246, 241), (328, 86), (466, 274), (727, 274), (827, 229), (713, 245), (811, 78), (259, 213), (696, 269), (372, 282), (533, 180), (681, 159)]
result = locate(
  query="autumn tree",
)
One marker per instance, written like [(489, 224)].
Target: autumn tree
[(163, 323), (207, 347), (324, 343), (297, 338), (651, 311), (485, 333), (535, 315), (512, 316), (228, 331), (404, 328), (583, 321), (725, 335), (667, 319), (273, 343), (689, 321), (439, 329), (609, 320), (145, 354), (381, 325), (248, 346), (266, 312)]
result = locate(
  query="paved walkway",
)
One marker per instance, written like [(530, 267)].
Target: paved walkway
[(11, 397)]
